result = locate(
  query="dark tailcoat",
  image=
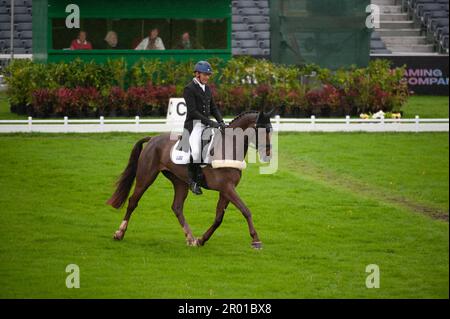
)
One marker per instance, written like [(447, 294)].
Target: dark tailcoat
[(200, 106)]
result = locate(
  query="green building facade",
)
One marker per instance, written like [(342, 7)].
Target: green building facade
[(207, 22), (330, 33)]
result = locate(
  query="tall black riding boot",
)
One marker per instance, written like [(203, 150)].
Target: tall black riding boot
[(193, 182)]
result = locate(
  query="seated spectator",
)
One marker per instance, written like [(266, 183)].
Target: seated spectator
[(112, 41), (81, 43), (152, 42), (186, 42)]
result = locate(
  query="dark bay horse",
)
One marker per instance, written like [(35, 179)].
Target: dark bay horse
[(145, 165)]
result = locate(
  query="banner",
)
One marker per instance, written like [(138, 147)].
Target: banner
[(426, 75)]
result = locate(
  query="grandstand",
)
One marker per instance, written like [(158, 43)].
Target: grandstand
[(20, 16), (411, 27), (251, 28)]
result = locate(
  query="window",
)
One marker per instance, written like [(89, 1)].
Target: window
[(127, 34)]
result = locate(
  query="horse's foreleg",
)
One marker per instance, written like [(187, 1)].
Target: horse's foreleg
[(143, 181), (231, 194), (220, 211)]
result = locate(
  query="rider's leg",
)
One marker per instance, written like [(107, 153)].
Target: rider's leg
[(193, 168)]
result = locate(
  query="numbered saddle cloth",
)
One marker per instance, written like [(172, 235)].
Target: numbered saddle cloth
[(181, 151)]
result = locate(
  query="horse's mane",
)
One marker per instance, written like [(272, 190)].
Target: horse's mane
[(241, 115)]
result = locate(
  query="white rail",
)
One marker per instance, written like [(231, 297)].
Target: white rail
[(137, 124)]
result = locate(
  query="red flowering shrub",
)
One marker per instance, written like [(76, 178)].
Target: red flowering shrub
[(324, 100), (160, 96), (63, 101), (42, 100), (85, 101), (115, 101), (242, 83), (136, 99)]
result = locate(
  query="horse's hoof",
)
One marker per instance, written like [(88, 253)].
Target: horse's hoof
[(257, 245), (191, 242), (197, 243), (118, 235)]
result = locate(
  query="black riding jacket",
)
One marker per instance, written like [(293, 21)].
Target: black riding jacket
[(200, 106)]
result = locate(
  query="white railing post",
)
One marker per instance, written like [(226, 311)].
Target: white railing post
[(102, 123), (30, 123), (277, 122), (313, 121), (347, 123), (137, 123), (417, 123), (66, 124), (382, 120)]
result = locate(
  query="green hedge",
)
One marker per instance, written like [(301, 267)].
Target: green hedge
[(82, 89)]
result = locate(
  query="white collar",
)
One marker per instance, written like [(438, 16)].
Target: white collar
[(203, 86)]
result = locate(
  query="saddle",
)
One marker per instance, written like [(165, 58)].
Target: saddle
[(181, 151)]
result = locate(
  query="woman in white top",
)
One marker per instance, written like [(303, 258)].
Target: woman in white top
[(152, 42)]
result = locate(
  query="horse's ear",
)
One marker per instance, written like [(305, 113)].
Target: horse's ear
[(270, 113)]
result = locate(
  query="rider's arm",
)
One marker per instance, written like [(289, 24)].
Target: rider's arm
[(190, 104), (215, 111)]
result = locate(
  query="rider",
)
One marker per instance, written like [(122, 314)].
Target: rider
[(200, 105)]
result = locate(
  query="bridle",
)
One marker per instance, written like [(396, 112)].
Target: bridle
[(267, 126)]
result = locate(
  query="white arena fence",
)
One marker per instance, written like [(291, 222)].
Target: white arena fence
[(137, 124)]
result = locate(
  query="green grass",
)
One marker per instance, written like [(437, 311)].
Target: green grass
[(328, 212), (5, 112), (424, 106), (378, 160)]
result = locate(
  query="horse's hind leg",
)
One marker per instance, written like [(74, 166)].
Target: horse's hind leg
[(144, 178), (181, 192)]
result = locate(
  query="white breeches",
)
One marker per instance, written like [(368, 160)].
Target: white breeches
[(195, 141)]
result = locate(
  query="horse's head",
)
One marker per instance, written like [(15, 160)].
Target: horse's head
[(264, 135), (259, 129)]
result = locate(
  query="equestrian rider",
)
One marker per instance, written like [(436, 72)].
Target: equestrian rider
[(200, 106)]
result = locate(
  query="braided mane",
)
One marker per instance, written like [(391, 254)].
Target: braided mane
[(241, 115)]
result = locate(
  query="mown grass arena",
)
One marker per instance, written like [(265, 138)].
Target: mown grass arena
[(345, 215), (338, 203)]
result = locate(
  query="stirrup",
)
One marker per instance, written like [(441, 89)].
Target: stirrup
[(195, 188)]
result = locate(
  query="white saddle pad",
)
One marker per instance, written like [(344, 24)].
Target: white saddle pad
[(178, 156)]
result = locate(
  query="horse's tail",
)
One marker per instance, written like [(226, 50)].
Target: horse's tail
[(125, 182)]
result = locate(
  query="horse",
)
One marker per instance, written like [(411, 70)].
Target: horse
[(146, 163)]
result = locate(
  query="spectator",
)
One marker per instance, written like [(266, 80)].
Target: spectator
[(81, 43), (152, 42), (187, 43), (112, 41)]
